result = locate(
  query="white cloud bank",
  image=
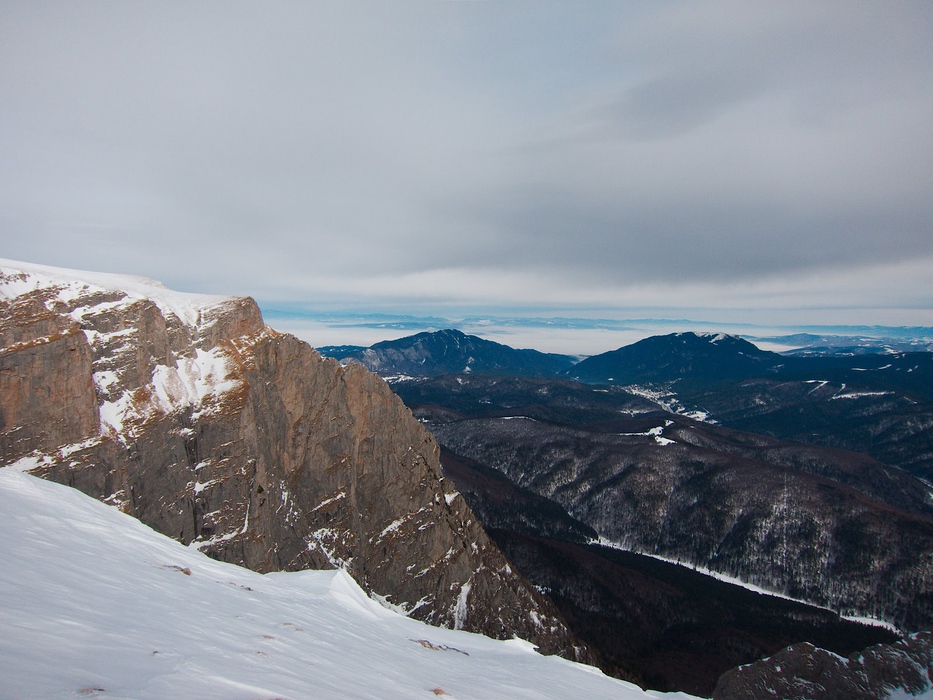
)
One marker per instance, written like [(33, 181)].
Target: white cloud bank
[(712, 156)]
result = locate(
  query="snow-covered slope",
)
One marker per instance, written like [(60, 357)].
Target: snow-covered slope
[(95, 604), (72, 284)]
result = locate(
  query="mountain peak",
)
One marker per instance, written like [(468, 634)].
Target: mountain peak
[(451, 351), (677, 356)]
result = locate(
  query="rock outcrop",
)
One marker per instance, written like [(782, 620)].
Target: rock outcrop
[(903, 669), (190, 414)]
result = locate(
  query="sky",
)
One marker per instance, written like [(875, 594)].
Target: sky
[(741, 162)]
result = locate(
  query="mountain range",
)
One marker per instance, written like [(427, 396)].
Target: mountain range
[(880, 404), (447, 352), (648, 456), (507, 492)]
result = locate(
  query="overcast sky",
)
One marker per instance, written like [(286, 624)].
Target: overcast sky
[(724, 160)]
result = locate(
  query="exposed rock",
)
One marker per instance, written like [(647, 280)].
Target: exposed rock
[(902, 669), (45, 379), (192, 415)]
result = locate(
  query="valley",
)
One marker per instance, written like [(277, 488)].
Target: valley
[(670, 511), (729, 483)]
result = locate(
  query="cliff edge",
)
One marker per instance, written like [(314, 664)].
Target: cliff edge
[(189, 413)]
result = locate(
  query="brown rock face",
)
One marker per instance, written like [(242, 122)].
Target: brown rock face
[(45, 379), (196, 418), (902, 669)]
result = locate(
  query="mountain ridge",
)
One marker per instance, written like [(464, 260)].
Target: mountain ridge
[(676, 355), (706, 359), (449, 351)]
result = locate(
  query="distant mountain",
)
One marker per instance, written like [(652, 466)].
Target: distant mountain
[(812, 345), (667, 358), (450, 352), (339, 351), (877, 403), (705, 360)]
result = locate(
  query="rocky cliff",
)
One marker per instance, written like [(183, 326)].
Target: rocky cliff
[(190, 414), (903, 669)]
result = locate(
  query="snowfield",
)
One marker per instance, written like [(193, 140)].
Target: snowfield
[(22, 278), (96, 604)]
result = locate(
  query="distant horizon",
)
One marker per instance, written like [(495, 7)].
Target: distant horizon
[(569, 335), (578, 332), (760, 164)]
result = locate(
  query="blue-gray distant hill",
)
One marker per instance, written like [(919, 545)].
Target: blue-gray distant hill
[(665, 358), (894, 340), (450, 352), (880, 404), (697, 360)]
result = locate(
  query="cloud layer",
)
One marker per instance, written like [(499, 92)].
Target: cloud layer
[(426, 154)]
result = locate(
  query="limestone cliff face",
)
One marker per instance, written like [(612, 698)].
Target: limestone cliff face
[(45, 380), (192, 415)]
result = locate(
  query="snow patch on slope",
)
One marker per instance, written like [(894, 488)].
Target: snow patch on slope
[(725, 578), (664, 397), (96, 604), (188, 381)]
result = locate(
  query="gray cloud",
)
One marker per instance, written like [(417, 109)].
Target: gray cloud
[(306, 150)]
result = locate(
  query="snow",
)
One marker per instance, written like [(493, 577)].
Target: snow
[(664, 397), (95, 604), (105, 379), (872, 622), (194, 379), (656, 433), (858, 395), (23, 277), (398, 378), (328, 501), (707, 572), (820, 383), (460, 611), (739, 582), (393, 526)]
